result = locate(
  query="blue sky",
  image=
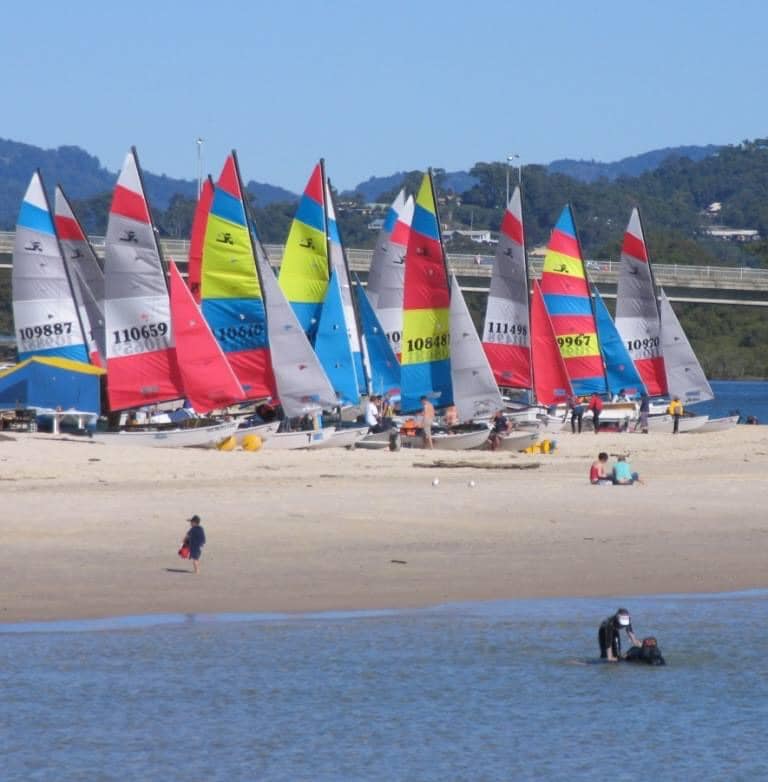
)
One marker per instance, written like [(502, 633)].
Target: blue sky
[(379, 87)]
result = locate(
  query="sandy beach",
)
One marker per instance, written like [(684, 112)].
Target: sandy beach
[(91, 530)]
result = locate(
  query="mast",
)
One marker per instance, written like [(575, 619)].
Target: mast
[(163, 264), (439, 229)]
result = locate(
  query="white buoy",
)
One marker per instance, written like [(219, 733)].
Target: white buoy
[(436, 482), (471, 484)]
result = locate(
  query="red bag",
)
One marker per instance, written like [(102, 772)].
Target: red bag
[(184, 551)]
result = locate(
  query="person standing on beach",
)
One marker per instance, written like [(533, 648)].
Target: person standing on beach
[(596, 406), (577, 413), (427, 418), (609, 635), (675, 409), (645, 409), (195, 539)]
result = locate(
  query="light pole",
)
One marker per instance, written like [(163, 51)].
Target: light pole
[(199, 166), (510, 158)]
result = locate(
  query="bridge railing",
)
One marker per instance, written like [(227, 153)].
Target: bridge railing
[(479, 266)]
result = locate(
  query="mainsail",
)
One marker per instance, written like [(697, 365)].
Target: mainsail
[(340, 268), (197, 237), (333, 347), (685, 377), (141, 360), (44, 310), (209, 382), (304, 271), (551, 384), (620, 372), (475, 392), (506, 333), (387, 273), (426, 342), (566, 295), (637, 313), (230, 293), (383, 366), (302, 385), (85, 273)]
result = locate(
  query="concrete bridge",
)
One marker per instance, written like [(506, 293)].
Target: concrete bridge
[(702, 284)]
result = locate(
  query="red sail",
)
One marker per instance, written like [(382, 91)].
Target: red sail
[(209, 382), (550, 377), (199, 222)]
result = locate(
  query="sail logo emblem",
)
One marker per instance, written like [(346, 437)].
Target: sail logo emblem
[(399, 260), (225, 238), (75, 255), (308, 242), (130, 236), (34, 247), (508, 252)]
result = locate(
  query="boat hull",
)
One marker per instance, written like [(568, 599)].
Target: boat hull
[(346, 437), (664, 423), (264, 431), (294, 441), (193, 437), (718, 424)]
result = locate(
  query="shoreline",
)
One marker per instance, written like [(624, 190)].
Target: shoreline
[(91, 531), (149, 621)]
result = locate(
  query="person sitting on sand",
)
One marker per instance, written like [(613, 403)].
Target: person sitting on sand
[(609, 635), (372, 415), (500, 427), (622, 473), (599, 473)]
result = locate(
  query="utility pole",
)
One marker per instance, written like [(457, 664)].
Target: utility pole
[(199, 166)]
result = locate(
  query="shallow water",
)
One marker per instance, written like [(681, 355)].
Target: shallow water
[(494, 691), (747, 397)]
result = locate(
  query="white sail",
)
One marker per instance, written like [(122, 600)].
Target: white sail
[(84, 272), (44, 311), (387, 273), (475, 392), (302, 385), (685, 377)]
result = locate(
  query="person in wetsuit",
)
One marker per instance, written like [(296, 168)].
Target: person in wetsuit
[(609, 634)]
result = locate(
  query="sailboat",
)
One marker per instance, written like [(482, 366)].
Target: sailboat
[(85, 273), (231, 296), (506, 331), (567, 298), (653, 335), (197, 237), (551, 383), (426, 339), (386, 276), (45, 314)]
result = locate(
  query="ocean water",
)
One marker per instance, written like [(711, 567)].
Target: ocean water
[(747, 397), (493, 691)]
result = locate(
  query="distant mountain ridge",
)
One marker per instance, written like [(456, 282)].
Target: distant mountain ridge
[(82, 176)]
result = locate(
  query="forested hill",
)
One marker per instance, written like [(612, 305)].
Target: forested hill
[(82, 176)]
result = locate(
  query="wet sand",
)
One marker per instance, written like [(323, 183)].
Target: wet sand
[(92, 530)]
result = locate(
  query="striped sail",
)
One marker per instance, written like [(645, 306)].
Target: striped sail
[(685, 377), (340, 268), (209, 382), (620, 372), (637, 313), (45, 314), (141, 360), (387, 273), (304, 271), (566, 295), (506, 332), (85, 273), (197, 237), (383, 366), (551, 384), (302, 385), (426, 342), (475, 392), (230, 293)]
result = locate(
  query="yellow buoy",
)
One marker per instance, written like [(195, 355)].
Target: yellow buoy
[(251, 442), (227, 445)]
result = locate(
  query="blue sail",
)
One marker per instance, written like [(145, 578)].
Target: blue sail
[(383, 368), (620, 371), (333, 347)]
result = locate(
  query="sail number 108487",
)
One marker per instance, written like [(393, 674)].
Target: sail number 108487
[(427, 343)]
